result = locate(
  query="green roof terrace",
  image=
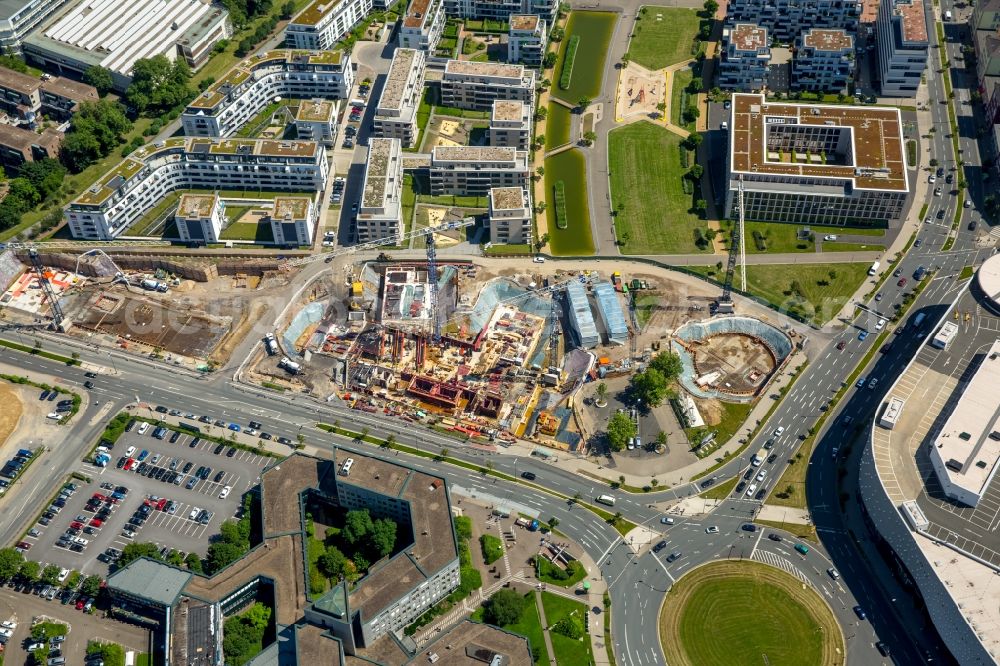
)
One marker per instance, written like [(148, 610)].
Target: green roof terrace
[(315, 12), (100, 191)]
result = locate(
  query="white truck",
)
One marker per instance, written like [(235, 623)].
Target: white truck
[(270, 344), (289, 365)]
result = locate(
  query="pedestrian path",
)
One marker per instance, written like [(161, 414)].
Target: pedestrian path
[(779, 562)]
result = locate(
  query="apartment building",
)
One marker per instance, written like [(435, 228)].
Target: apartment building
[(18, 17), (19, 146), (422, 26), (473, 170), (510, 215), (396, 111), (840, 165), (526, 40), (501, 10), (200, 218), (987, 45), (254, 83), (784, 20), (510, 124), (139, 182), (746, 55), (316, 120), (292, 221), (985, 15), (380, 214), (474, 85), (319, 26), (116, 33), (26, 97), (824, 61), (902, 40)]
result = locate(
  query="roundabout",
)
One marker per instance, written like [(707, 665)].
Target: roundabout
[(747, 613)]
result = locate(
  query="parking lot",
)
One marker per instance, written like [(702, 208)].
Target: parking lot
[(179, 510)]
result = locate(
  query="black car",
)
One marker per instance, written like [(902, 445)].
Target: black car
[(748, 527), (740, 487), (206, 471), (88, 384), (748, 474), (708, 483), (256, 425), (265, 435), (142, 468), (950, 179), (161, 409), (187, 467), (195, 442), (860, 612), (121, 462), (940, 172), (92, 375), (284, 440), (940, 214), (882, 648), (218, 477), (774, 537), (174, 437), (160, 471), (530, 476), (972, 225), (771, 458), (219, 449), (205, 419), (52, 396), (760, 493), (673, 556), (660, 546), (231, 452), (121, 489)]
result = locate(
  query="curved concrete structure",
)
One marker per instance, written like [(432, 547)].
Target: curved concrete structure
[(988, 282)]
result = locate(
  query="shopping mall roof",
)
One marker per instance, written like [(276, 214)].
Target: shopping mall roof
[(150, 580)]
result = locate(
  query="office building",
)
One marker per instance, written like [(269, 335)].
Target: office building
[(254, 83), (292, 221), (319, 26), (475, 85), (137, 184), (501, 10), (26, 98), (381, 212), (473, 170), (526, 40), (510, 215), (746, 54), (824, 61), (510, 125), (902, 41), (316, 120), (18, 146), (422, 26), (200, 218), (821, 164), (785, 20), (116, 33), (396, 111), (18, 17)]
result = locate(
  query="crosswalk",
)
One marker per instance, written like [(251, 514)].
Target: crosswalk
[(779, 562)]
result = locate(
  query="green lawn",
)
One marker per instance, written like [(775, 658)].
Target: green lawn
[(145, 224), (759, 610), (817, 302), (852, 247), (664, 36), (557, 126), (681, 79), (782, 237), (646, 177), (595, 30), (530, 626), (260, 233), (722, 490), (570, 167), (733, 416), (568, 650), (644, 308), (550, 572)]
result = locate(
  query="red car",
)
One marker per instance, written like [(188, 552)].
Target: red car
[(23, 545), (901, 283), (99, 497), (129, 464), (841, 345), (76, 525), (162, 503), (96, 522), (79, 603)]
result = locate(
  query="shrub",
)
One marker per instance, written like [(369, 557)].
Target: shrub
[(567, 69), (570, 626), (492, 548), (559, 196)]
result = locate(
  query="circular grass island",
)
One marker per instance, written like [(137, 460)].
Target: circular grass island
[(728, 613)]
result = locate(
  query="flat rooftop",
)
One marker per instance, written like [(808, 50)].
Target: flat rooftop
[(196, 205), (748, 37), (315, 12), (828, 40), (474, 643), (493, 69), (17, 137), (291, 208), (508, 110), (380, 153), (507, 198), (281, 485), (416, 14), (150, 580), (913, 19), (474, 154), (395, 81), (964, 443), (70, 89), (876, 137), (316, 110), (524, 22), (22, 83)]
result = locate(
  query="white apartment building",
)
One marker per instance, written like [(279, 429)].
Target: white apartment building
[(422, 26), (746, 55), (200, 218), (474, 85), (139, 182), (510, 124), (786, 19), (824, 61), (18, 17), (474, 170), (292, 221), (501, 10), (902, 40), (526, 40), (254, 83), (510, 215), (381, 212), (319, 26), (316, 120), (396, 111)]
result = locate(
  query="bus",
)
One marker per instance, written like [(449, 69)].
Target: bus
[(607, 500), (759, 457)]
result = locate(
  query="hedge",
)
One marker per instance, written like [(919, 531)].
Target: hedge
[(492, 548), (567, 69), (559, 197)]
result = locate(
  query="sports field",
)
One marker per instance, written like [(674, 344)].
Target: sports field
[(728, 613)]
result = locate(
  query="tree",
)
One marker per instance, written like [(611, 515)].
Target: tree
[(539, 140), (29, 571), (700, 206), (589, 138), (96, 129), (621, 428), (91, 586), (332, 562), (691, 114), (695, 172), (100, 78), (583, 102), (550, 60), (570, 626), (10, 563), (134, 551), (711, 7), (388, 442), (72, 580), (159, 85), (553, 522), (668, 363), (50, 574), (624, 237), (661, 439), (650, 386), (220, 555), (504, 608), (357, 525), (45, 175), (287, 10), (694, 86), (193, 563), (693, 140), (602, 393), (540, 171), (383, 536)]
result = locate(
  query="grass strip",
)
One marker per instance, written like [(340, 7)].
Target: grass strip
[(798, 530), (722, 490), (566, 76), (37, 351), (559, 200)]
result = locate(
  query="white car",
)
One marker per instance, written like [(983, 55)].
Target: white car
[(751, 490), (130, 452), (932, 178), (9, 624), (712, 530), (873, 383), (225, 492), (834, 574), (779, 431), (194, 513), (143, 428), (539, 260), (63, 575), (761, 475), (55, 416), (880, 325), (6, 633), (831, 237)]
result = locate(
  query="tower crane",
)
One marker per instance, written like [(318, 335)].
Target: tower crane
[(737, 249)]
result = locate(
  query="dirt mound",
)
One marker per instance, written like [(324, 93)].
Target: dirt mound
[(11, 412)]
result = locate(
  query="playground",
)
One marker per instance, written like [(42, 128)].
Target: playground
[(640, 91)]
